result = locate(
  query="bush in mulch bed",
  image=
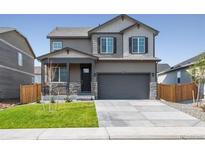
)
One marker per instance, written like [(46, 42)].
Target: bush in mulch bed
[(8, 103), (4, 106)]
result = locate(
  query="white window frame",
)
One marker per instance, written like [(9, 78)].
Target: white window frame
[(106, 40), (138, 40), (54, 44), (59, 75), (20, 59)]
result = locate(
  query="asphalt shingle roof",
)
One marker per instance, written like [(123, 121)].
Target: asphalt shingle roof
[(185, 63), (6, 29), (69, 32), (162, 67)]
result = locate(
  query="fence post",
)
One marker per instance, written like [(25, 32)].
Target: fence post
[(20, 93), (158, 91), (174, 93)]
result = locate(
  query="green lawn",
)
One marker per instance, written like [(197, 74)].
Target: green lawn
[(35, 116)]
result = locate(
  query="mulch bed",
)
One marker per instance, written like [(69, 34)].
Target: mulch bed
[(5, 105), (8, 103)]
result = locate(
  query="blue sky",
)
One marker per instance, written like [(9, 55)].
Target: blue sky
[(180, 37)]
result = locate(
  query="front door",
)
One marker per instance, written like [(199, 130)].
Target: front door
[(85, 77)]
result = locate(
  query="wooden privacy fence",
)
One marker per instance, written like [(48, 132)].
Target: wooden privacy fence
[(30, 93), (176, 92)]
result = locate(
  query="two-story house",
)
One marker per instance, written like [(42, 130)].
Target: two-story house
[(115, 60), (16, 63)]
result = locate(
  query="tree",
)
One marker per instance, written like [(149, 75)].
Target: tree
[(197, 71), (50, 76)]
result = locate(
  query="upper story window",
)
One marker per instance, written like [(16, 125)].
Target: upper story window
[(20, 59), (138, 45), (57, 45), (107, 45)]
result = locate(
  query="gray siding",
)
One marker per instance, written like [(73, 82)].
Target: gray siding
[(10, 80), (16, 40), (75, 73), (119, 52), (171, 77), (79, 44), (126, 67), (9, 57), (10, 83)]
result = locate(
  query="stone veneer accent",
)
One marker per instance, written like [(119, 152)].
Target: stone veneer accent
[(94, 89), (153, 90), (74, 88), (59, 88)]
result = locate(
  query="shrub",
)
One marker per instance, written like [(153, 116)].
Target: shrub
[(68, 99), (52, 100), (38, 100), (203, 107)]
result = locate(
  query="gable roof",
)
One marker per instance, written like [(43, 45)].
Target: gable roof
[(65, 32), (83, 32), (6, 29), (9, 29), (63, 49), (184, 64), (124, 16), (162, 67)]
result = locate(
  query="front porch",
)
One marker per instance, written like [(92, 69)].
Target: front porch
[(73, 77)]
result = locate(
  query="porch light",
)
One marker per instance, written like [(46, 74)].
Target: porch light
[(152, 74)]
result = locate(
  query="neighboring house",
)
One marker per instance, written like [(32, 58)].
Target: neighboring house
[(37, 73), (162, 67), (16, 62), (115, 60), (179, 72)]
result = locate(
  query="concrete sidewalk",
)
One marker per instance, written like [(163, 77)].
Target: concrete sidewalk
[(104, 133)]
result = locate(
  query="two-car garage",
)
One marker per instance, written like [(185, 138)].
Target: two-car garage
[(123, 86)]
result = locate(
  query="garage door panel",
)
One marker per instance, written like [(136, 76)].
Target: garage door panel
[(123, 86)]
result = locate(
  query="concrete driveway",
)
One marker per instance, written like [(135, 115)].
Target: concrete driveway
[(142, 113)]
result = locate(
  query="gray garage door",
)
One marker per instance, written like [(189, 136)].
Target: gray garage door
[(123, 86)]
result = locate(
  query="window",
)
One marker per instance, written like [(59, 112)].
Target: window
[(20, 59), (32, 80), (138, 44), (59, 74), (57, 45), (107, 45), (86, 70), (178, 76)]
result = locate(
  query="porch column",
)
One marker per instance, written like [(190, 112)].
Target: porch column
[(94, 84), (93, 75), (42, 77), (68, 77), (42, 73)]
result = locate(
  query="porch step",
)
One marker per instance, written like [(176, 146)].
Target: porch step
[(73, 97)]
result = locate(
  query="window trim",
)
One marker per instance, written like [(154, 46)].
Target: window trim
[(106, 53), (20, 59), (138, 37), (57, 42), (59, 75)]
